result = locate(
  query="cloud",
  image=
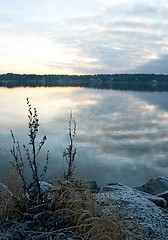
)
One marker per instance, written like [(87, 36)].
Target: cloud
[(115, 50), (137, 9), (159, 65), (119, 37), (108, 37)]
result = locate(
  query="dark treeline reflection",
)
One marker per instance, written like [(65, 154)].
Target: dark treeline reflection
[(135, 82)]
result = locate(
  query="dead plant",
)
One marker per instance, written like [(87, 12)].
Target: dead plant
[(31, 154), (69, 152)]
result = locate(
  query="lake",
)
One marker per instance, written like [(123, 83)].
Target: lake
[(122, 136)]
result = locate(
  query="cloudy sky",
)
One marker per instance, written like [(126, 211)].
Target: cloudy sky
[(83, 36)]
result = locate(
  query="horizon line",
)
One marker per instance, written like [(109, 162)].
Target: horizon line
[(64, 74)]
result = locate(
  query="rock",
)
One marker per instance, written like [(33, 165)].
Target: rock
[(139, 213), (164, 195), (149, 230), (157, 200), (93, 185), (46, 189), (130, 207), (155, 186), (85, 183), (111, 187), (44, 186), (141, 188)]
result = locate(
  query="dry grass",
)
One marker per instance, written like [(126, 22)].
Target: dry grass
[(7, 204), (81, 210), (79, 213), (12, 200)]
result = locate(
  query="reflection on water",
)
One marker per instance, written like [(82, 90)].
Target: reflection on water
[(121, 136)]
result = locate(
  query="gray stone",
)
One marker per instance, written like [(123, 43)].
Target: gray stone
[(111, 187), (157, 200), (141, 214), (118, 187), (155, 186), (142, 189), (164, 195), (85, 183), (44, 186), (93, 185)]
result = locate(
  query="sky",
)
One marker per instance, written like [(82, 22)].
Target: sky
[(83, 36)]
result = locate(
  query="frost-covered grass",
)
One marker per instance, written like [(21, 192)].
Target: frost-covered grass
[(70, 210)]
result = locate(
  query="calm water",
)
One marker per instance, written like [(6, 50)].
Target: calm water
[(122, 136)]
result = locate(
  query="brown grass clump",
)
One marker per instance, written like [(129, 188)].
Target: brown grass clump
[(80, 209), (76, 209), (7, 204), (12, 199)]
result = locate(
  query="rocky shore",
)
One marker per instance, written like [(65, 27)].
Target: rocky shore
[(143, 211)]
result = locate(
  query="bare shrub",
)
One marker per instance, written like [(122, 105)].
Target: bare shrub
[(31, 153), (69, 152)]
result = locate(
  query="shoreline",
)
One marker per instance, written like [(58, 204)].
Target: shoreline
[(137, 212)]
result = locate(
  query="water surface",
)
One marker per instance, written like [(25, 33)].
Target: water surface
[(122, 136)]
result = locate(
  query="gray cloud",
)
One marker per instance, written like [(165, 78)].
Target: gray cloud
[(115, 50), (159, 65), (119, 44), (115, 37), (138, 9)]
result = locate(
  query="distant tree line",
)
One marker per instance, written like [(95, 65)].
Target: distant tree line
[(139, 82)]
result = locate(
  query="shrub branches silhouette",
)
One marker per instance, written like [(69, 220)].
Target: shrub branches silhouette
[(18, 162), (31, 155), (70, 151)]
